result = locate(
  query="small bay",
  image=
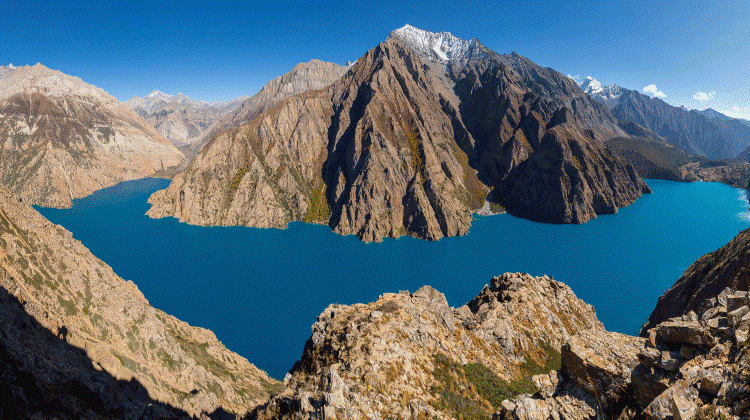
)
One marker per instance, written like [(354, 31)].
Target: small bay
[(260, 290)]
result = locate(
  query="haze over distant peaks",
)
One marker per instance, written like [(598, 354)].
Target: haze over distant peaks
[(157, 99)]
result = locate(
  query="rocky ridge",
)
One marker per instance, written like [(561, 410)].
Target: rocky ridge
[(697, 133), (64, 139), (410, 355), (403, 146), (727, 267), (696, 366), (179, 118), (304, 77), (74, 295)]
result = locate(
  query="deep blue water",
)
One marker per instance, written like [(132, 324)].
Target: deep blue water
[(260, 290)]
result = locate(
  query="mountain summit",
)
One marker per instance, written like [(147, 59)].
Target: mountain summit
[(63, 138), (442, 47), (180, 118), (409, 141)]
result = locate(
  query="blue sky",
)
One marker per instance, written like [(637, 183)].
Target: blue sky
[(217, 50)]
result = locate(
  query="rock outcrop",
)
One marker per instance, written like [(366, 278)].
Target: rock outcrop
[(74, 295), (690, 367), (410, 355), (410, 142), (63, 139), (707, 278)]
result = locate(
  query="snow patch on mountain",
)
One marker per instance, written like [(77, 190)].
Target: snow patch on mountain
[(594, 88), (441, 47)]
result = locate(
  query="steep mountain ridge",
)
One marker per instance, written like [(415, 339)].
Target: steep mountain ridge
[(304, 77), (76, 296), (696, 132), (63, 139), (393, 148)]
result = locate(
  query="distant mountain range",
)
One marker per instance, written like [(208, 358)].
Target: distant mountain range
[(64, 139), (703, 133), (180, 118), (410, 141)]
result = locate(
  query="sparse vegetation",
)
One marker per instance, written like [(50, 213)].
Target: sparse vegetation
[(319, 210)]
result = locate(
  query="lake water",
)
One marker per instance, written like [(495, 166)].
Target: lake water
[(260, 290)]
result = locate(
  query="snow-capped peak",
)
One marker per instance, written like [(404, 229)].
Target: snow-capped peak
[(442, 47), (591, 86), (156, 99), (11, 66), (594, 88)]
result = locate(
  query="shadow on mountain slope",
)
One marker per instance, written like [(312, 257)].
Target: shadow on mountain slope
[(42, 376)]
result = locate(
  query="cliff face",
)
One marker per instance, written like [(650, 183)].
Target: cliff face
[(410, 355), (403, 145), (304, 77), (63, 139), (371, 155), (66, 289)]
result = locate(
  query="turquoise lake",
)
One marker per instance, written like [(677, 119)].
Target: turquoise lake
[(260, 290)]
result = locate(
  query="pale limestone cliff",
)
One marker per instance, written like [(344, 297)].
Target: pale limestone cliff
[(62, 139)]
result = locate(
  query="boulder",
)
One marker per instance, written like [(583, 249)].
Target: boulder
[(662, 407), (684, 332)]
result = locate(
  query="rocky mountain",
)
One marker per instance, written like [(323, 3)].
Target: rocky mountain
[(304, 77), (692, 130), (179, 118), (64, 139), (410, 141), (693, 361), (654, 158), (525, 348), (75, 336), (410, 355)]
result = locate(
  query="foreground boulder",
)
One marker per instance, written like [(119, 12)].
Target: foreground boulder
[(410, 354), (693, 366)]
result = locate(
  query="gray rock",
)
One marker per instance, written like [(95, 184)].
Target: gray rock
[(669, 360), (736, 315), (683, 408), (711, 381), (684, 332)]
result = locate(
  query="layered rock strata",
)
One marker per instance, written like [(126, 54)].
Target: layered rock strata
[(62, 139), (409, 144)]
